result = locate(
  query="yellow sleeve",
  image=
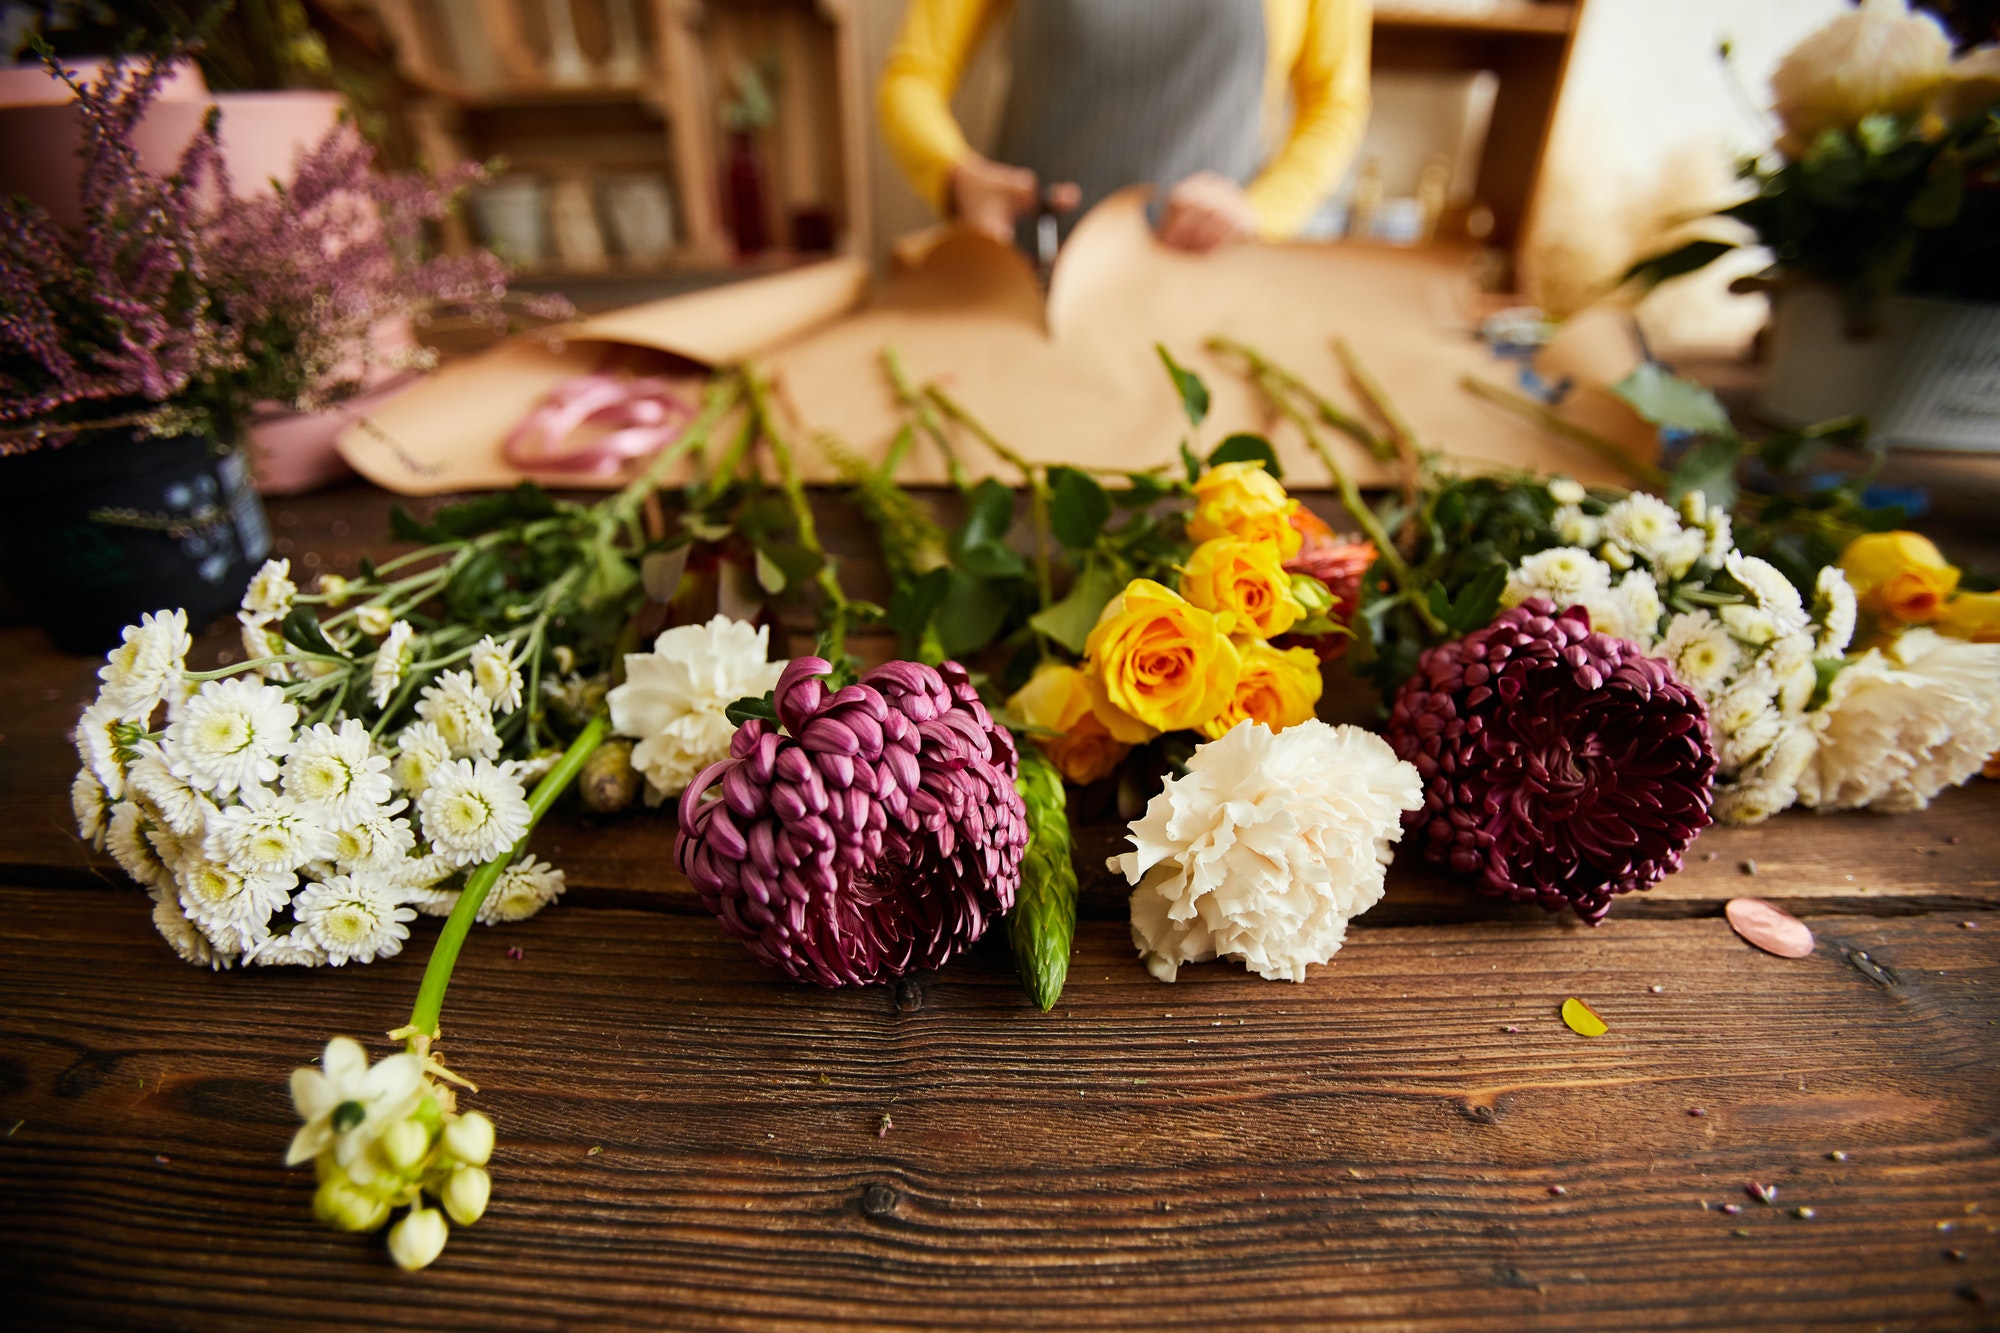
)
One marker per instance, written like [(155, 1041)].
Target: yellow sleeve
[(913, 97), (1329, 110)]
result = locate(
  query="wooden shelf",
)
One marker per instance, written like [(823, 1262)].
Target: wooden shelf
[(1519, 17)]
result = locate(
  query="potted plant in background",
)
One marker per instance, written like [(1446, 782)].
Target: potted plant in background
[(1880, 204), (136, 343)]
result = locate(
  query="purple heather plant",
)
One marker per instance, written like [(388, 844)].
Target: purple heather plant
[(1560, 766), (867, 832), (174, 306)]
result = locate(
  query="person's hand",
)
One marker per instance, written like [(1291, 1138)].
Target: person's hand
[(1207, 210), (989, 196)]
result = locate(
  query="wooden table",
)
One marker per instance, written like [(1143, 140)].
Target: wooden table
[(1412, 1136)]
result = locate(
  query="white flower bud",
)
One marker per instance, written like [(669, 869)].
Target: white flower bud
[(1566, 492), (418, 1239), (374, 619), (469, 1139), (404, 1144), (342, 1205), (1616, 556), (465, 1194)]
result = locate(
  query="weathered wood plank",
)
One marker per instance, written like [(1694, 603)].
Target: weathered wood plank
[(1373, 1143)]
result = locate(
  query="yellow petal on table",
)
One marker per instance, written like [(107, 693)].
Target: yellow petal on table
[(1582, 1019)]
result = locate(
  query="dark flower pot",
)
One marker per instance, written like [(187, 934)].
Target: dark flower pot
[(96, 532)]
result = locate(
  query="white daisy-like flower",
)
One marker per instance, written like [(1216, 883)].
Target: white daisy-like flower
[(1744, 803), (182, 808), (1904, 722), (1608, 613), (1576, 528), (125, 839), (1751, 624), (185, 937), (169, 846), (433, 902), (231, 735), (1703, 654), (1645, 525), (146, 668), (391, 658), (231, 907), (458, 708), (493, 670), (379, 841), (355, 918), (1639, 594), (337, 776), (419, 751), (522, 890), (674, 699), (1796, 688), (346, 1105), (269, 596), (1694, 509), (1683, 553), (375, 619), (295, 949), (1744, 720), (1834, 608), (91, 805), (422, 874), (1565, 491), (1721, 538), (1563, 574), (1771, 589), (104, 743), (267, 834), (473, 811), (261, 641), (1266, 848)]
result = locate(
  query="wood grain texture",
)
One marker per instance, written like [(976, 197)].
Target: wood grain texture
[(1371, 1144)]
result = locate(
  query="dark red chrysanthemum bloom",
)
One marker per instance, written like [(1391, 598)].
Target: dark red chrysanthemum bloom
[(1560, 766), (878, 833)]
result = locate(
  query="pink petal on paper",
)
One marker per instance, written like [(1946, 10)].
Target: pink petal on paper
[(1771, 929)]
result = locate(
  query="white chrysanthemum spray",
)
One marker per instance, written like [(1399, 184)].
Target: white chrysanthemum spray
[(1266, 848)]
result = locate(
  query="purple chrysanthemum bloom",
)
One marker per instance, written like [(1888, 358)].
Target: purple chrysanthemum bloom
[(1560, 766), (877, 833)]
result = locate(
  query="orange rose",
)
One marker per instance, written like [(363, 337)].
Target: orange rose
[(1245, 585), (1057, 699), (1279, 688), (1900, 575), (1156, 662), (1244, 501)]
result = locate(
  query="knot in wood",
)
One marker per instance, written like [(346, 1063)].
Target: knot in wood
[(909, 995), (878, 1200)]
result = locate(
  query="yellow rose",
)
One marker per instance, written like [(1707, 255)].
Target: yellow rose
[(1898, 574), (1156, 662), (1245, 585), (1971, 615), (1244, 501), (1278, 688), (1057, 699)]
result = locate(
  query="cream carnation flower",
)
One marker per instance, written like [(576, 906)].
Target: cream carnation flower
[(355, 918), (674, 698), (419, 752), (146, 668), (459, 709), (269, 596), (522, 890), (231, 735), (391, 657), (1903, 723), (473, 812), (185, 937), (493, 670), (337, 776), (1266, 848)]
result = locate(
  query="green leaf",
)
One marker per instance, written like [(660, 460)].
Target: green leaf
[(770, 577), (1078, 507), (1665, 399), (1191, 463), (301, 630), (1708, 467), (1070, 620), (1476, 603), (992, 560), (911, 607), (969, 615), (611, 576), (485, 513), (403, 525), (1247, 449), (1194, 394), (744, 709), (1674, 263), (1145, 489), (1042, 926), (982, 542)]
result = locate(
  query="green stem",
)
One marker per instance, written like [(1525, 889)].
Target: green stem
[(1032, 477), (764, 420), (1644, 473), (444, 954), (920, 409), (722, 394), (1409, 451), (1347, 424)]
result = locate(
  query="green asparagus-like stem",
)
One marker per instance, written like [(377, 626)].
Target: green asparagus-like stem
[(1644, 473)]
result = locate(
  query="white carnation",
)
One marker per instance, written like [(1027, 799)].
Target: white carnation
[(1902, 724), (1701, 651), (458, 708), (493, 670), (146, 667), (1645, 525), (1266, 848), (419, 752), (269, 596), (473, 812), (674, 698), (522, 890), (231, 735), (1835, 610), (355, 918), (337, 776), (391, 658)]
